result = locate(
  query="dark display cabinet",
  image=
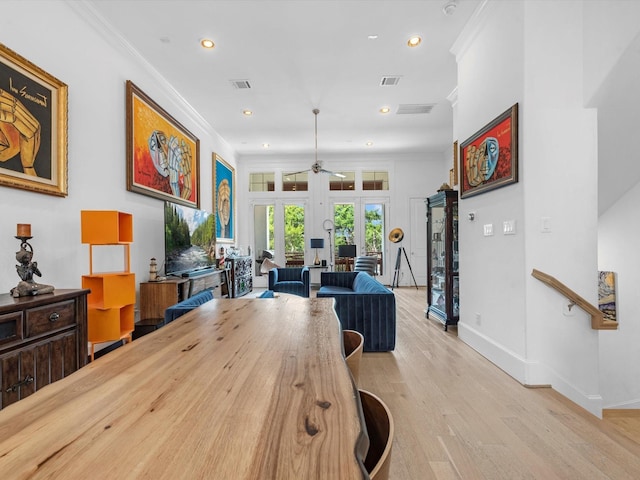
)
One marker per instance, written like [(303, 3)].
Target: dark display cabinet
[(443, 285)]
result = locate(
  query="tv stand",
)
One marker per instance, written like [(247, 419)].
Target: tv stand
[(156, 297), (197, 273)]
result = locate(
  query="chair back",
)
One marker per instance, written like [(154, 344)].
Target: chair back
[(353, 344), (366, 264), (380, 428)]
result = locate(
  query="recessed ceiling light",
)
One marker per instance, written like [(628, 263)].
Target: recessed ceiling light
[(207, 43), (414, 40), (369, 144), (385, 110), (372, 37), (248, 113), (265, 145)]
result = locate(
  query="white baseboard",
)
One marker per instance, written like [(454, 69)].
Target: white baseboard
[(528, 373)]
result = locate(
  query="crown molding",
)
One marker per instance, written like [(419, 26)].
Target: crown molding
[(473, 27), (109, 33)]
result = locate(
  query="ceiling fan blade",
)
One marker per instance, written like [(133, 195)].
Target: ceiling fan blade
[(296, 173), (332, 173)]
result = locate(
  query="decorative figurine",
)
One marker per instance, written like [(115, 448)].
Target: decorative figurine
[(153, 270), (27, 268)]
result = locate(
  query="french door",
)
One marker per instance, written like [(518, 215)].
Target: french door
[(361, 222)]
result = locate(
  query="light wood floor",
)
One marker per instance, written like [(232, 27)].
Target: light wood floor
[(457, 416)]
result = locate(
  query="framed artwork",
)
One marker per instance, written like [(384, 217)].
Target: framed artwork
[(163, 157), (224, 199), (33, 127), (607, 295), (489, 158)]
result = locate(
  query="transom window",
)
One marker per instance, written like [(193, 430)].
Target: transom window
[(375, 180), (262, 182), (346, 183), (298, 182)]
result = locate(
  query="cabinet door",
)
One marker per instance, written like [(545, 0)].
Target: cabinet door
[(28, 369)]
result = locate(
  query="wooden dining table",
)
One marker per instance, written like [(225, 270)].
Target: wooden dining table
[(235, 389)]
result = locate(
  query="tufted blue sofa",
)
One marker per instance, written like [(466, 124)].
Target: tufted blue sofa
[(363, 304), (294, 280), (180, 308)]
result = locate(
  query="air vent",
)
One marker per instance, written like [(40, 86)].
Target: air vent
[(241, 84), (389, 81), (414, 108)]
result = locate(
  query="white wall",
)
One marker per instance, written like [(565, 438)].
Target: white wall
[(512, 56), (618, 237), (95, 71)]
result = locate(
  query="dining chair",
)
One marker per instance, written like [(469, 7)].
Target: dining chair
[(379, 422), (353, 344)]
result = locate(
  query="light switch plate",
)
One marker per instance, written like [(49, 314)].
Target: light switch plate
[(488, 229), (509, 227)]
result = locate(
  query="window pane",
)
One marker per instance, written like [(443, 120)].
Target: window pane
[(346, 183), (295, 183), (261, 182), (294, 234), (344, 221), (375, 181), (263, 232), (373, 232)]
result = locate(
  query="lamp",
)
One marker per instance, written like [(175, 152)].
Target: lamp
[(347, 251), (317, 243)]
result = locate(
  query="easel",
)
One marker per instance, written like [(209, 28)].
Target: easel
[(396, 273)]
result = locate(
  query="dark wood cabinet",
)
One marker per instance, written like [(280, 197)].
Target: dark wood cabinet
[(443, 281), (42, 339)]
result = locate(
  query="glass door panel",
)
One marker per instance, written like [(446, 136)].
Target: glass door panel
[(374, 237), (344, 224), (294, 235), (263, 232)]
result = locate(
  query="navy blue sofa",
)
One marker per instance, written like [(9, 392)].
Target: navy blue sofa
[(180, 308), (293, 280), (363, 304)]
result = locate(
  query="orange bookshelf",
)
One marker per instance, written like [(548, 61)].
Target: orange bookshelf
[(113, 294)]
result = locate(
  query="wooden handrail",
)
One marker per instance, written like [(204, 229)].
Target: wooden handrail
[(598, 322)]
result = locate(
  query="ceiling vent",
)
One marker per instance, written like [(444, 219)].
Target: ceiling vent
[(241, 84), (389, 81), (414, 108)]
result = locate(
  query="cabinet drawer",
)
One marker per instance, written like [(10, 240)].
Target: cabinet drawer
[(49, 318), (10, 328)]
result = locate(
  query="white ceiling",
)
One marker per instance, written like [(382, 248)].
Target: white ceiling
[(299, 55)]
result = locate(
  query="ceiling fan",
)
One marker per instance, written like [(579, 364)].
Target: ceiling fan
[(317, 166)]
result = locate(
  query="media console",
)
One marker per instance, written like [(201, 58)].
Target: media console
[(156, 297)]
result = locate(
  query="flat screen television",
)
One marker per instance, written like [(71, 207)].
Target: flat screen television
[(189, 239)]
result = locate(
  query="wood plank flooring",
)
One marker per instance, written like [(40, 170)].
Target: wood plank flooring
[(458, 416)]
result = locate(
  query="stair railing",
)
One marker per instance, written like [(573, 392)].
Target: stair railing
[(598, 322)]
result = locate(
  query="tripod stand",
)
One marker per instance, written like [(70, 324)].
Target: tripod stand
[(396, 273)]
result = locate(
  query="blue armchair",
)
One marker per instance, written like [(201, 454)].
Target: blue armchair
[(293, 280)]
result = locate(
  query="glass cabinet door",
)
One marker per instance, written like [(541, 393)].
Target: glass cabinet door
[(438, 258)]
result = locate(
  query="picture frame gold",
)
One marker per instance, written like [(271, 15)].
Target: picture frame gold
[(224, 199), (163, 157), (33, 127), (454, 172)]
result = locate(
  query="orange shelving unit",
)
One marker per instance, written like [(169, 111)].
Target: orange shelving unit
[(113, 294)]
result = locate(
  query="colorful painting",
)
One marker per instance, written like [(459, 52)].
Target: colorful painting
[(33, 127), (607, 295), (224, 199), (163, 157), (489, 158)]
